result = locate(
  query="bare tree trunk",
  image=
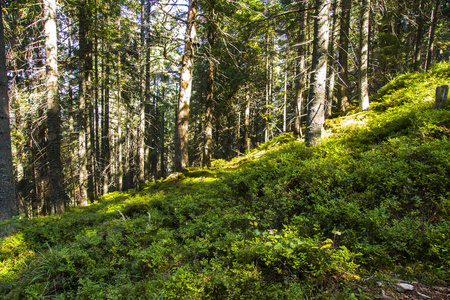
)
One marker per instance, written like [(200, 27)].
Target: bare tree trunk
[(434, 19), (247, 142), (209, 100), (106, 143), (364, 56), (285, 101), (343, 100), (317, 91), (182, 125), (56, 174), (7, 189), (82, 118), (120, 172), (301, 81), (419, 36), (332, 62), (142, 105)]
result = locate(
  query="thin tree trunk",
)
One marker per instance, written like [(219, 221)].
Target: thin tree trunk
[(7, 190), (343, 100), (182, 125), (300, 83), (285, 101), (82, 115), (142, 128), (247, 142), (364, 56), (419, 36), (434, 19), (106, 143), (332, 61), (317, 91), (209, 99), (56, 174), (120, 173)]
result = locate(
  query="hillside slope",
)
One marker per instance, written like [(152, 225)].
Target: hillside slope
[(344, 220)]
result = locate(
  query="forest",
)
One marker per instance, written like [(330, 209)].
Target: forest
[(107, 95), (221, 149)]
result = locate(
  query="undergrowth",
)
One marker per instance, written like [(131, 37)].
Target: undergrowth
[(283, 222)]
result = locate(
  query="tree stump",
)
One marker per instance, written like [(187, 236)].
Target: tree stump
[(441, 96)]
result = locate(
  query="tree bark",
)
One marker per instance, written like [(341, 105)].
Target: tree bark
[(317, 90), (430, 44), (419, 36), (209, 99), (7, 189), (182, 122), (332, 61), (83, 112), (300, 83), (364, 56), (106, 143), (142, 105), (56, 174), (343, 100)]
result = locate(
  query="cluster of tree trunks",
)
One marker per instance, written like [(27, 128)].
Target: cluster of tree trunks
[(130, 103)]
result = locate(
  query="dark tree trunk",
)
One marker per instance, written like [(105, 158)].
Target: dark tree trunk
[(343, 100), (430, 44), (209, 99), (7, 186)]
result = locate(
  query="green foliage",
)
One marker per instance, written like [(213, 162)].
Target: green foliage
[(285, 221)]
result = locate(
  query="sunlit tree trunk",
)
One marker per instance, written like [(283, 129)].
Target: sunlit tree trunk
[(343, 100), (182, 121), (7, 190), (332, 61), (300, 83), (57, 193), (247, 142), (142, 132), (364, 56), (83, 134), (317, 91)]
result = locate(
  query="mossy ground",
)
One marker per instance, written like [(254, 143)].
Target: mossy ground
[(345, 220)]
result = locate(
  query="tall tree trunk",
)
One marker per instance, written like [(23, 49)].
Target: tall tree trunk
[(332, 61), (83, 136), (317, 91), (430, 44), (7, 189), (343, 100), (364, 56), (142, 116), (285, 100), (247, 142), (209, 99), (161, 137), (56, 174), (106, 143), (120, 173), (419, 36), (182, 122), (300, 83)]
